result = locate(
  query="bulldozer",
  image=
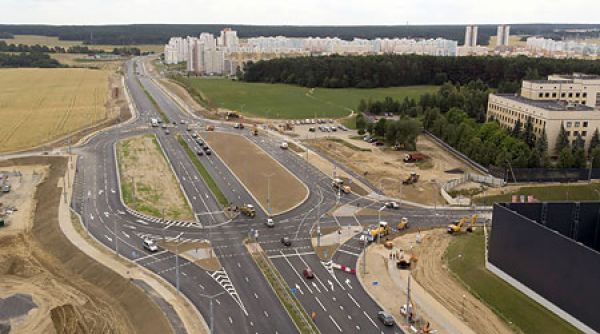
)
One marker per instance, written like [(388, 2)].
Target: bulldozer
[(403, 224), (412, 178), (248, 210), (456, 227)]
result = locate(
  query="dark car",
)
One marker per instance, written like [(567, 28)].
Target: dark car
[(308, 273), (378, 143), (200, 142), (205, 147), (286, 241), (208, 152), (199, 152), (385, 318)]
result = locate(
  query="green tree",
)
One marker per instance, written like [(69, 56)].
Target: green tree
[(594, 141), (528, 135), (579, 158), (362, 106), (579, 143), (541, 149), (595, 157), (379, 128), (565, 158), (562, 140), (361, 122), (516, 131)]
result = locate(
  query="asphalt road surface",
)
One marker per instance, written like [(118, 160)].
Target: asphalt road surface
[(247, 303)]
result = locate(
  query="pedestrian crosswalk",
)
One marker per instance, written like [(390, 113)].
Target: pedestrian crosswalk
[(166, 222)]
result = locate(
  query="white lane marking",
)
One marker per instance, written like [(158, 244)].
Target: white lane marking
[(354, 300), (201, 286), (218, 302), (298, 288), (107, 237), (318, 301), (149, 255), (348, 283), (370, 319), (266, 314), (125, 234), (230, 320), (255, 295), (335, 323), (316, 287)]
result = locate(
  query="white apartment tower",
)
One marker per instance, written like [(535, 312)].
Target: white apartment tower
[(502, 35), (471, 36), (228, 38)]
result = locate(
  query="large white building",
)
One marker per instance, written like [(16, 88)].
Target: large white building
[(502, 35), (551, 47), (471, 33), (572, 101)]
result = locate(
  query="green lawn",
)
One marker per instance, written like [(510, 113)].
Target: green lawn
[(287, 101), (522, 312), (564, 192)]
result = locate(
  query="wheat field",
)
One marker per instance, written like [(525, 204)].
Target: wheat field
[(38, 106)]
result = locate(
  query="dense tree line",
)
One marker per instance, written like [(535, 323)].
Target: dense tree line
[(83, 49), (28, 60), (401, 133), (6, 35), (160, 33), (403, 70)]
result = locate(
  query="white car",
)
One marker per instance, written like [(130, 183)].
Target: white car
[(284, 145), (392, 205), (270, 222), (150, 245)]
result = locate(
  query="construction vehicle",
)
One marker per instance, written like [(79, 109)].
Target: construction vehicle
[(210, 128), (403, 224), (414, 157), (405, 261), (413, 178), (382, 230), (254, 130), (339, 184), (456, 227), (248, 210)]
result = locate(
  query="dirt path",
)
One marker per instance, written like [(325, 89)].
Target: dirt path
[(147, 182), (432, 273), (385, 168)]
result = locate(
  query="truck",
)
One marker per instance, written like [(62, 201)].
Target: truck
[(414, 157), (412, 178), (248, 210), (154, 122), (374, 233), (339, 184)]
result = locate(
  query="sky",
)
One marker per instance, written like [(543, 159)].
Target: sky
[(298, 12)]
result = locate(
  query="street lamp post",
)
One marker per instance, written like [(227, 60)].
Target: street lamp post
[(212, 320)]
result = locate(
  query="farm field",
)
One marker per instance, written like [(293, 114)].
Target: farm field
[(290, 102), (41, 105), (147, 182), (245, 158), (516, 308), (54, 41)]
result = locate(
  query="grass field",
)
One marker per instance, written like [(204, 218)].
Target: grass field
[(147, 182), (563, 192), (54, 41), (41, 105), (520, 311), (290, 102)]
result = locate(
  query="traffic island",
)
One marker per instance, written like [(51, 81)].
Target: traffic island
[(199, 253), (330, 240)]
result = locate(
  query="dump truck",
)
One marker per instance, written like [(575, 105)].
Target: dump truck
[(413, 178), (248, 210), (339, 184), (414, 157)]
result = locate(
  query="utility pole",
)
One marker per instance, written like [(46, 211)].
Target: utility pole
[(268, 176), (408, 308), (177, 261), (212, 319), (365, 255)]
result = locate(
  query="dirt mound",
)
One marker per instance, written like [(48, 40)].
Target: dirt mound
[(75, 294)]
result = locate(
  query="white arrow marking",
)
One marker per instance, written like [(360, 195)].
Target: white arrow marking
[(316, 287), (348, 283), (107, 237), (298, 288), (100, 192), (330, 284), (92, 217), (112, 190), (125, 234), (106, 214)]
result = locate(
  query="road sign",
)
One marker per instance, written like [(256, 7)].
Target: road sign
[(294, 291)]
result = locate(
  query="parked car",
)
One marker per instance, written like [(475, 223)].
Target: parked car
[(199, 152), (312, 129), (270, 222), (208, 152), (286, 241), (378, 143), (167, 131), (385, 318), (308, 273), (194, 135), (392, 205)]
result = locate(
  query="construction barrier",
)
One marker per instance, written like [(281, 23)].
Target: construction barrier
[(343, 268)]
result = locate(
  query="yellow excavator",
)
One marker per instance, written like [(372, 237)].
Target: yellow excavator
[(456, 227)]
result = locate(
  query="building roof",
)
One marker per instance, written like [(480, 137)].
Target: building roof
[(549, 81), (553, 105)]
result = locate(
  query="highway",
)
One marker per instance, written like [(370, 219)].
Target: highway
[(248, 304)]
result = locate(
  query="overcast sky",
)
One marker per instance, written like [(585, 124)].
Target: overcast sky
[(299, 12)]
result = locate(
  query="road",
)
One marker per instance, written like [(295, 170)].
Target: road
[(248, 305)]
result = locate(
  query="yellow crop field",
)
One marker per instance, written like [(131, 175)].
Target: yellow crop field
[(38, 106)]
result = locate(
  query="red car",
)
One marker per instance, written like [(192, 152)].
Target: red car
[(308, 273)]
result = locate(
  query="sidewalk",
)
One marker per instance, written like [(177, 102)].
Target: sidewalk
[(188, 314)]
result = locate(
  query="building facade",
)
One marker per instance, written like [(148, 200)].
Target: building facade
[(502, 35), (569, 101)]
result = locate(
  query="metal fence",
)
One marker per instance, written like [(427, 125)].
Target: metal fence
[(512, 175)]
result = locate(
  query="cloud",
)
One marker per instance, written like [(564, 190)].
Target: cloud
[(296, 12)]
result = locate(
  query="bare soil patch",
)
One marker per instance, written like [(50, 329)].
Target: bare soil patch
[(73, 292), (147, 182), (385, 168), (432, 273), (252, 166)]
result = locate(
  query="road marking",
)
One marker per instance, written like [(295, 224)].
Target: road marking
[(125, 234), (149, 255), (246, 278), (335, 323), (348, 252), (298, 288), (255, 295), (218, 302), (321, 304), (348, 283), (201, 286), (230, 320), (107, 237), (354, 300), (373, 322), (316, 287), (266, 314)]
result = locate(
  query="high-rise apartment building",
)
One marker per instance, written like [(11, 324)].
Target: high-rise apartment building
[(502, 35), (471, 36)]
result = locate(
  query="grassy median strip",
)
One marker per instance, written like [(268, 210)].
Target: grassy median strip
[(148, 184), (210, 182), (162, 114), (521, 312), (292, 305)]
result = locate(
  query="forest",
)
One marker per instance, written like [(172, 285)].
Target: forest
[(123, 51), (33, 59), (404, 70), (160, 33)]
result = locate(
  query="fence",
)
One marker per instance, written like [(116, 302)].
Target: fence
[(513, 175), (464, 201)]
